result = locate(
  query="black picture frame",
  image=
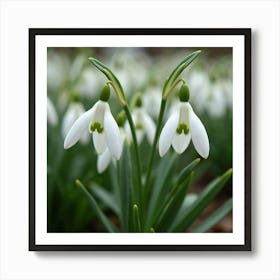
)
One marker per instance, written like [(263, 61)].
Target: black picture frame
[(246, 32)]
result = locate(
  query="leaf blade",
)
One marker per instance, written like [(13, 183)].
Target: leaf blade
[(102, 217), (202, 202), (106, 197), (173, 206), (214, 218)]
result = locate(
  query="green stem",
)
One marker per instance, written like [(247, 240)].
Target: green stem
[(136, 149), (149, 170)]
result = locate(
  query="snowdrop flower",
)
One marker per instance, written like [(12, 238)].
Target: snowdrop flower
[(105, 158), (130, 65), (182, 126), (219, 98), (51, 113), (143, 123), (101, 124), (199, 83), (75, 110), (152, 100)]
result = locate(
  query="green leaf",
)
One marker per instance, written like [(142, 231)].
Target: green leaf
[(174, 204), (106, 197), (125, 183), (111, 77), (187, 203), (115, 184), (187, 170), (177, 71), (215, 218), (105, 221), (160, 188), (202, 202)]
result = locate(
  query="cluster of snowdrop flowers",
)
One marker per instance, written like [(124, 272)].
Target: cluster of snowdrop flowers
[(182, 126), (211, 95), (130, 66), (100, 122)]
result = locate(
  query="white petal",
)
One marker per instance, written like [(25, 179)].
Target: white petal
[(149, 127), (99, 110), (77, 129), (181, 142), (103, 161), (168, 133), (68, 120), (112, 134), (139, 135), (199, 134), (51, 113), (74, 112), (99, 142)]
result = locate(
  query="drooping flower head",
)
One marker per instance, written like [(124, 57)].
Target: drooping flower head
[(101, 124), (104, 159), (183, 126), (144, 124)]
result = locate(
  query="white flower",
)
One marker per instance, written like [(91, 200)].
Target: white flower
[(105, 158), (51, 113), (105, 131), (75, 110), (152, 100), (143, 125), (182, 126)]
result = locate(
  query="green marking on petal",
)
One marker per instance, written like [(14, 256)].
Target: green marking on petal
[(96, 126), (182, 128), (139, 126)]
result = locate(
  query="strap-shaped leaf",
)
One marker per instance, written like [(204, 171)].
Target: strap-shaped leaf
[(115, 184), (202, 202), (187, 203), (106, 197), (125, 183), (215, 218), (182, 179), (187, 170), (177, 71), (105, 221), (172, 207), (111, 77), (160, 188)]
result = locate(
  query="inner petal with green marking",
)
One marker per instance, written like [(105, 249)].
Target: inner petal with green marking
[(182, 128), (96, 126)]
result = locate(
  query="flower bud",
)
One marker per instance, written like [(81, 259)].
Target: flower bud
[(121, 118), (184, 93), (138, 101), (105, 93)]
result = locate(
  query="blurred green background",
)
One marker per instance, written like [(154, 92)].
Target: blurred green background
[(74, 86)]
